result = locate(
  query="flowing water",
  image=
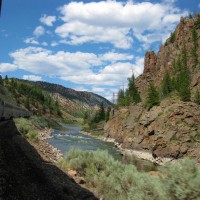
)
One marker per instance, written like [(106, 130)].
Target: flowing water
[(72, 138)]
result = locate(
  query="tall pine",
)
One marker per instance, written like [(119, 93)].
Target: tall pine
[(183, 78), (153, 98), (132, 90), (166, 85)]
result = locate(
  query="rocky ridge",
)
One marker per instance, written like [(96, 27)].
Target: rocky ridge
[(171, 130), (155, 65)]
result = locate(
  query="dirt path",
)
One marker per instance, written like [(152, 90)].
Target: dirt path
[(25, 175)]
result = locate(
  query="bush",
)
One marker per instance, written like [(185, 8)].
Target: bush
[(32, 135), (113, 180), (182, 180), (23, 125)]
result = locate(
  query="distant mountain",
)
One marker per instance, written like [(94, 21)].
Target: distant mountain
[(83, 97), (72, 101), (43, 98)]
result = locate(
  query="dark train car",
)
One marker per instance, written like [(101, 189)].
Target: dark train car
[(9, 111)]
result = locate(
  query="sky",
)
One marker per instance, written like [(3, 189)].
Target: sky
[(85, 45)]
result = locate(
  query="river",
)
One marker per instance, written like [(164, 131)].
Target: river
[(71, 137)]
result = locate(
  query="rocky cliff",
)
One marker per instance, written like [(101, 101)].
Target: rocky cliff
[(173, 128), (186, 36)]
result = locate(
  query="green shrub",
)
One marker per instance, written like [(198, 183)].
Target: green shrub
[(32, 135), (23, 125), (113, 180), (182, 180)]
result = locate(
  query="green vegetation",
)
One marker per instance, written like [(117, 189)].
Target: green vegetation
[(153, 98), (183, 77), (29, 127), (131, 95), (166, 85), (113, 180), (197, 22), (172, 37), (92, 119), (195, 46), (31, 97)]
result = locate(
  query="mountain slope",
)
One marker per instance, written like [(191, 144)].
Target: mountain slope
[(171, 129), (72, 101)]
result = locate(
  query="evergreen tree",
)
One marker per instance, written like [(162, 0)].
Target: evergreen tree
[(102, 112), (85, 117), (108, 113), (6, 79), (166, 85), (132, 90), (1, 80), (184, 78), (195, 46), (153, 98), (121, 98), (197, 97)]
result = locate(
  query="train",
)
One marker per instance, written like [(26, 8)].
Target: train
[(9, 111)]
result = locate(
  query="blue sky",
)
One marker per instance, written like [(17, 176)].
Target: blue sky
[(84, 45)]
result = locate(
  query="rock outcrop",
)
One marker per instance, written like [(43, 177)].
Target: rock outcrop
[(156, 65), (169, 130), (173, 128)]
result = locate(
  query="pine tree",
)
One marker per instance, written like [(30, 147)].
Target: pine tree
[(102, 112), (184, 78), (153, 98), (1, 80), (108, 113), (195, 46), (166, 85), (6, 79), (121, 98), (133, 91)]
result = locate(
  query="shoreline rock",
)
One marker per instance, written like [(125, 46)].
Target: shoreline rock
[(47, 151), (141, 154)]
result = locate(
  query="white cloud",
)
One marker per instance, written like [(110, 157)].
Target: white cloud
[(54, 43), (39, 30), (117, 22), (31, 41), (48, 20), (82, 68), (113, 57), (7, 67), (44, 44), (32, 78)]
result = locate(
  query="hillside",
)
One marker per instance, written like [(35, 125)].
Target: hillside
[(170, 129), (74, 102), (43, 98)]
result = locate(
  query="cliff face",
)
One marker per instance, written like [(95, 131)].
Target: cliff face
[(173, 128), (156, 65), (169, 130)]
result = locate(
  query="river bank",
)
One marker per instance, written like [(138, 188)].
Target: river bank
[(140, 154), (47, 151)]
